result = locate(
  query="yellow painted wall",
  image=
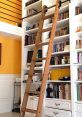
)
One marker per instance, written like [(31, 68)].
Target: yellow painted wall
[(11, 55)]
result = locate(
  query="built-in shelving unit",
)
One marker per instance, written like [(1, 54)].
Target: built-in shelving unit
[(63, 81)]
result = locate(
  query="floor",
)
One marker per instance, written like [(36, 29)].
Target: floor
[(9, 115), (15, 115)]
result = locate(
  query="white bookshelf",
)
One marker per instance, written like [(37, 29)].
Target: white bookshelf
[(68, 107), (75, 21)]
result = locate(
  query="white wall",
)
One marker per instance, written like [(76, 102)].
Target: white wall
[(7, 91)]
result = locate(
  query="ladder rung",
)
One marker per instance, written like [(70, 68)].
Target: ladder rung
[(28, 110), (39, 59), (42, 44), (47, 29), (49, 16)]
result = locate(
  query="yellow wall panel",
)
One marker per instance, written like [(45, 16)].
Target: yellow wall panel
[(11, 56), (59, 73)]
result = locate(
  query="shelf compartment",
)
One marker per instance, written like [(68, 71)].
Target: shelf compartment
[(37, 16), (61, 22), (56, 39)]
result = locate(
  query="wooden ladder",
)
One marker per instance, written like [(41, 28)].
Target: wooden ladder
[(38, 44)]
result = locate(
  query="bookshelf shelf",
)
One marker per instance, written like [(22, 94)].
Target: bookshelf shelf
[(29, 46), (61, 52), (79, 34), (58, 81), (36, 5), (78, 64), (79, 102), (63, 100), (33, 18), (57, 66), (62, 38), (78, 50), (32, 31), (78, 81), (36, 68)]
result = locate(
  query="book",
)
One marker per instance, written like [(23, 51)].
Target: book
[(79, 92), (67, 91), (79, 57), (79, 73)]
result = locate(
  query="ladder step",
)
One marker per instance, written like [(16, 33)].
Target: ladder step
[(28, 110), (47, 29), (49, 16), (42, 44), (39, 59)]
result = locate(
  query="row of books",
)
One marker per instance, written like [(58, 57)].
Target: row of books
[(60, 46), (61, 59), (61, 91), (79, 92)]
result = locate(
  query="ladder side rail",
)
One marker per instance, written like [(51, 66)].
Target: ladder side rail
[(46, 69)]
